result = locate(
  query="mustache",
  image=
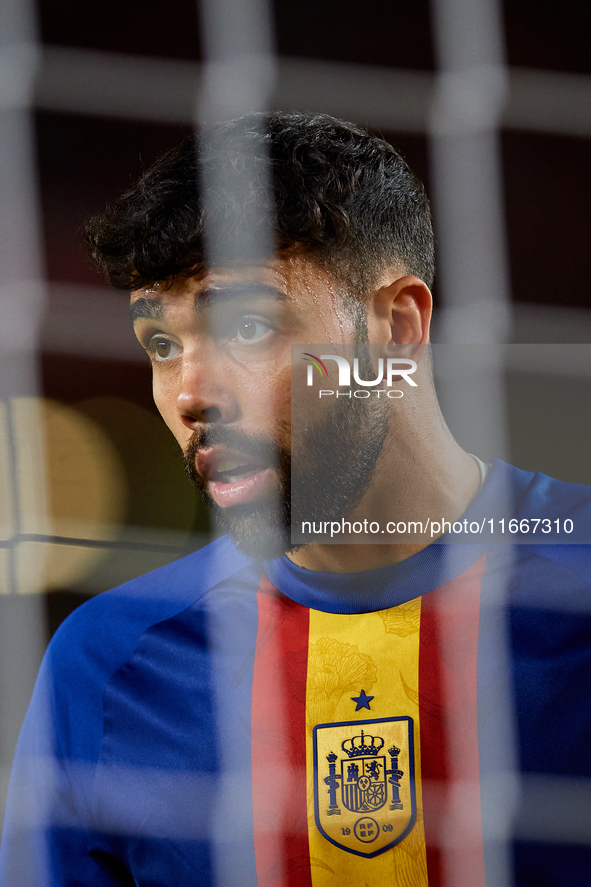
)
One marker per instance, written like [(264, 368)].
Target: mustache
[(260, 449)]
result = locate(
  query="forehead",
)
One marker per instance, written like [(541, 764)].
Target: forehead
[(294, 277)]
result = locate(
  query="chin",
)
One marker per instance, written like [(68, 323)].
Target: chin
[(259, 530)]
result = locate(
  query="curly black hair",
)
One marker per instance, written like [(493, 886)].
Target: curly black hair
[(346, 196)]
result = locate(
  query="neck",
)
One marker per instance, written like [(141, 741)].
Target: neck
[(419, 477)]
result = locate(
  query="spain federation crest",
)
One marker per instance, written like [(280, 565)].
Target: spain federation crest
[(364, 789)]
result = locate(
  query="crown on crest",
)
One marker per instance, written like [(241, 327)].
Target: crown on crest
[(361, 745)]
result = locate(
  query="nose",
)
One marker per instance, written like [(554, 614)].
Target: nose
[(205, 395)]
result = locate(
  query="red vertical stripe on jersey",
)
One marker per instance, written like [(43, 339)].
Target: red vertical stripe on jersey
[(449, 730), (434, 773), (278, 742)]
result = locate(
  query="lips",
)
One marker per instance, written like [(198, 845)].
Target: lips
[(233, 478)]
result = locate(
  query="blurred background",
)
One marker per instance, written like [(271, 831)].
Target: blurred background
[(92, 490)]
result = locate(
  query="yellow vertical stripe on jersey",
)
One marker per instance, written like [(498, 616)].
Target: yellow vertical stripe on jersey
[(378, 653)]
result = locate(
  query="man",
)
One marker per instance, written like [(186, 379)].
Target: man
[(269, 712)]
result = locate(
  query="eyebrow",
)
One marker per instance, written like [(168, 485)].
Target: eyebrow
[(152, 309)]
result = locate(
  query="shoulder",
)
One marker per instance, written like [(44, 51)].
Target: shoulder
[(537, 508), (550, 539), (102, 635), (113, 621), (535, 491)]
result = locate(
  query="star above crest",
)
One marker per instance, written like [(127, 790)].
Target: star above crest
[(362, 701)]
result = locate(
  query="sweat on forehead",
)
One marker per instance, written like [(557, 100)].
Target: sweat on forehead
[(152, 308)]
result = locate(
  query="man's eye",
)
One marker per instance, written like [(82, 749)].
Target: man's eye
[(163, 349), (252, 329)]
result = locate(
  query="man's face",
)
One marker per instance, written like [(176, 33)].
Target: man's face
[(220, 346)]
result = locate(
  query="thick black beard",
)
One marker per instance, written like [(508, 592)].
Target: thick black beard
[(332, 471), (327, 477)]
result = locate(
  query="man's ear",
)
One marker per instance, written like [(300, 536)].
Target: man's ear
[(399, 312)]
